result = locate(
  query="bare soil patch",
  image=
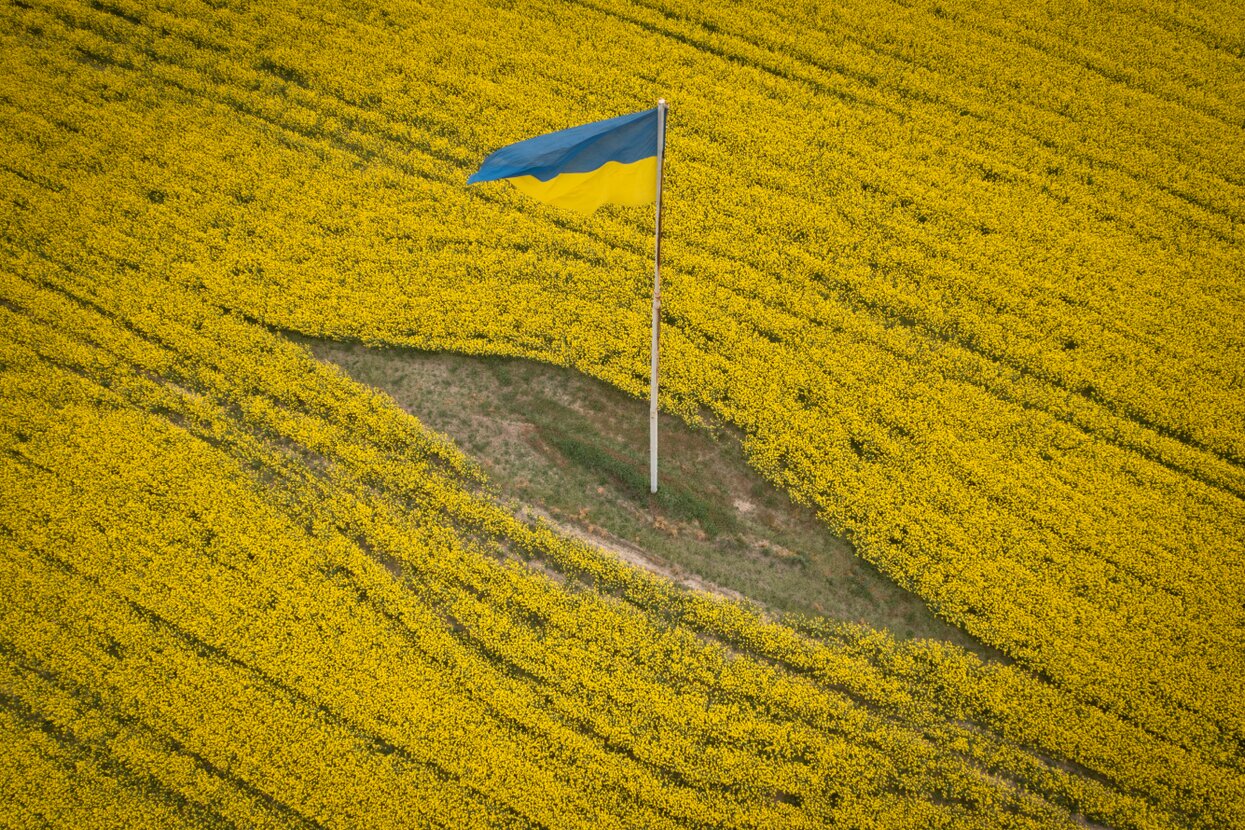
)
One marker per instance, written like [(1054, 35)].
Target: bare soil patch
[(573, 451)]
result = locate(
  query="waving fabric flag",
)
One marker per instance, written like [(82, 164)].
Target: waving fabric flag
[(582, 168)]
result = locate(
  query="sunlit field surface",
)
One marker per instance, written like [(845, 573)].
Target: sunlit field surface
[(969, 281)]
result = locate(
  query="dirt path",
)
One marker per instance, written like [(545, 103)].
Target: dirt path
[(630, 554)]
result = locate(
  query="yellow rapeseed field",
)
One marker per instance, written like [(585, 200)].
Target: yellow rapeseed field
[(969, 278)]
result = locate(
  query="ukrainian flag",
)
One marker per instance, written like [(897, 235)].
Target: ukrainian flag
[(584, 167)]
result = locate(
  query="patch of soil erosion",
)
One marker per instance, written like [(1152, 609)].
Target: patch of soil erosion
[(573, 451)]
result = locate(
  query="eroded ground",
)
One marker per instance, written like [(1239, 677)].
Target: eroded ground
[(565, 448)]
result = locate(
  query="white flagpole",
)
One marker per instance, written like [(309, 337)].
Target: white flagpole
[(652, 406)]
